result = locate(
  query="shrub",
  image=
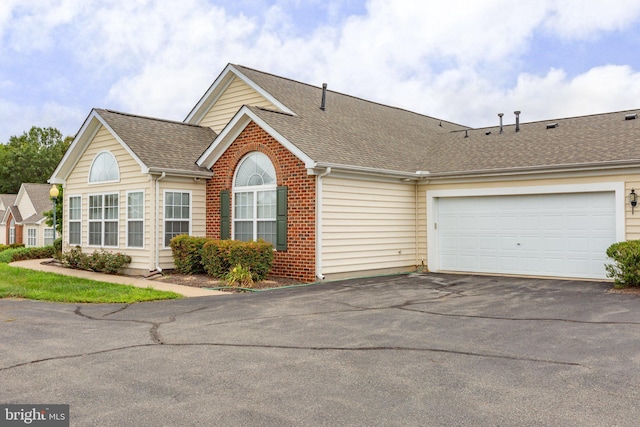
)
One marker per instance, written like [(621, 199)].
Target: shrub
[(239, 276), (74, 258), (187, 253), (11, 246), (99, 261), (57, 248), (215, 257), (218, 256), (626, 268), (6, 255), (22, 254)]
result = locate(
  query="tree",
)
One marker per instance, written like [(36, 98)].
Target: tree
[(31, 157)]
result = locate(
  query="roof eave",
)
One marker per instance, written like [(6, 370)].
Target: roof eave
[(180, 173), (575, 167)]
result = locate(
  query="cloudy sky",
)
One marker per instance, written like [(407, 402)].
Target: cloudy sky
[(459, 60)]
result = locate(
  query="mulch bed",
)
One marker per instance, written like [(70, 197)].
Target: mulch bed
[(206, 281)]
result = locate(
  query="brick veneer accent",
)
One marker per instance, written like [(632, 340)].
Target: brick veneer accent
[(298, 261)]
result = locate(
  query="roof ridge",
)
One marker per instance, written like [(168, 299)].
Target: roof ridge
[(584, 116), (348, 95), (157, 119)]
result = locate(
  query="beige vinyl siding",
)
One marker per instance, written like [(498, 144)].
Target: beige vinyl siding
[(131, 179), (367, 225), (632, 221), (237, 94), (25, 206), (198, 206)]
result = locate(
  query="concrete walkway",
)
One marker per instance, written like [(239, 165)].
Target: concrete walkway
[(140, 282)]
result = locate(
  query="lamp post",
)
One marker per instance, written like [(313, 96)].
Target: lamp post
[(53, 193)]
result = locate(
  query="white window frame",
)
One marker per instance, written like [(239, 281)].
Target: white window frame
[(32, 237), (165, 218), (12, 231), (103, 221), (254, 190), (71, 220), (141, 219), (93, 162), (48, 238)]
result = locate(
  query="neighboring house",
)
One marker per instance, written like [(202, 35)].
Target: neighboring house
[(22, 217), (346, 187)]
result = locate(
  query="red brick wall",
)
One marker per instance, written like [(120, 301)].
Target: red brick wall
[(298, 261)]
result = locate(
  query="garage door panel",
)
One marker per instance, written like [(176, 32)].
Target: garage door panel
[(549, 234)]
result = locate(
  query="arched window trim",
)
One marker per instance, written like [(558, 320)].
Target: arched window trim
[(254, 190), (93, 162)]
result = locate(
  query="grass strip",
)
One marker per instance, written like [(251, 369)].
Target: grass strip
[(37, 285)]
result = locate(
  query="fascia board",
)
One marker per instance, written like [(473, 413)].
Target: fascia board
[(235, 126), (76, 149), (210, 96), (143, 168), (217, 89)]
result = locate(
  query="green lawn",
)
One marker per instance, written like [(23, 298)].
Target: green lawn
[(22, 283)]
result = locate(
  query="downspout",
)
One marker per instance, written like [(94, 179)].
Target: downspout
[(156, 244), (416, 223), (319, 274)]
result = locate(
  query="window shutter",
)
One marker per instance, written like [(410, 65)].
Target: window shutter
[(225, 215), (281, 219)]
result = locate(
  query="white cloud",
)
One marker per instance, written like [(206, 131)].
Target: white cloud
[(460, 60)]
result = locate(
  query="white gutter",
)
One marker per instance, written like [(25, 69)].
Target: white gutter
[(326, 172), (156, 244)]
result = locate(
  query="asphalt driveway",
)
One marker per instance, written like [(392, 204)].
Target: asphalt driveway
[(397, 350)]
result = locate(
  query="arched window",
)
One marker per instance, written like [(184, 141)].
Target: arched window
[(104, 168), (254, 199)]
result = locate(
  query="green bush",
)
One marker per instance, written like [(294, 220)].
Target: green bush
[(99, 261), (626, 268), (11, 246), (74, 258), (215, 257), (57, 248), (22, 254), (6, 255), (219, 256), (187, 253)]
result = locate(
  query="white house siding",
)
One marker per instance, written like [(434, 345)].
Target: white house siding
[(25, 206), (237, 94), (198, 207), (367, 226), (131, 179), (631, 222)]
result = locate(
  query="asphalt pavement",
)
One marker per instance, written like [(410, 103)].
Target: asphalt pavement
[(428, 349)]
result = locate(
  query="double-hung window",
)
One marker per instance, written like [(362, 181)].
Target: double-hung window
[(135, 219), (12, 231), (48, 236), (103, 220), (254, 199), (32, 237), (177, 214), (75, 220)]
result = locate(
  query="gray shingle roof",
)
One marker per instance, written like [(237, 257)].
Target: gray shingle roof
[(350, 131), (577, 142), (158, 143), (39, 196), (355, 132)]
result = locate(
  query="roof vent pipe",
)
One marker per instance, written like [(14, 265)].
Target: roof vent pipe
[(517, 113), (324, 96), (500, 115)]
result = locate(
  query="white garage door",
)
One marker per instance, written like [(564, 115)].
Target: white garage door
[(548, 234)]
